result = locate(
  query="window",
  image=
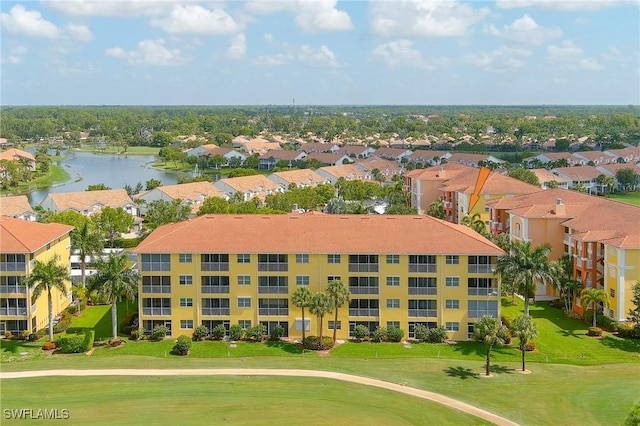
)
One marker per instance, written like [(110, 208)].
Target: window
[(393, 259), (244, 279), (184, 258), (186, 302), (302, 258), (215, 307), (307, 324), (156, 262), (393, 281), (452, 304), (393, 324), (334, 278), (452, 281), (244, 324), (302, 279), (479, 264), (452, 326), (612, 293), (156, 284), (470, 330), (335, 325), (186, 324), (393, 303), (272, 262), (215, 262), (423, 285), (244, 258), (244, 302), (363, 285), (364, 307), (275, 307), (452, 259), (215, 284), (333, 258), (423, 308), (478, 308), (363, 263), (422, 263), (481, 287), (186, 280), (273, 285), (519, 230)]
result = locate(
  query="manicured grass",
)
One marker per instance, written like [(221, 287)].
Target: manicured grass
[(629, 198), (232, 400), (96, 317), (56, 174)]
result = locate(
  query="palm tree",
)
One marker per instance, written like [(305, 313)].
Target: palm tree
[(114, 281), (338, 295), (44, 277), (475, 222), (525, 330), (525, 265), (491, 332), (88, 241), (320, 306), (302, 298), (593, 296)]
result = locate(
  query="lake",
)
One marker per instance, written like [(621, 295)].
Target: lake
[(115, 171)]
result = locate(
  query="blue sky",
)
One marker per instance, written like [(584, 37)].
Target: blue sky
[(400, 52)]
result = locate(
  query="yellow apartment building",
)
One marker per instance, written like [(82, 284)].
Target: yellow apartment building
[(602, 236), (243, 269), (21, 243)]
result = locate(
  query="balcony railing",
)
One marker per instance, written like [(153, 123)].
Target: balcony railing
[(430, 291), (156, 289), (274, 267), (215, 311), (263, 289), (22, 289), (279, 312), (422, 313), (13, 311), (364, 290), (219, 289), (422, 267), (13, 266), (215, 266), (363, 267), (482, 291), (480, 269), (156, 311), (364, 312)]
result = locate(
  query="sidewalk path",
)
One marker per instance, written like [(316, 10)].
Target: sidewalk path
[(431, 396)]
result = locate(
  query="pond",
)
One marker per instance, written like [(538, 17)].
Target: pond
[(115, 171)]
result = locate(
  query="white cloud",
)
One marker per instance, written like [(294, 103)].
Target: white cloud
[(268, 37), (501, 59), (310, 15), (121, 8), (524, 30), (402, 54), (569, 56), (195, 19), (321, 57), (16, 55), (563, 5), (238, 48), (148, 52), (79, 32), (28, 23), (273, 60), (424, 18)]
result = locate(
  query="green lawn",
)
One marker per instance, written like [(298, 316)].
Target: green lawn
[(629, 198), (131, 150), (56, 174)]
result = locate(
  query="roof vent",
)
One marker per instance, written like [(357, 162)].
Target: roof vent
[(558, 201)]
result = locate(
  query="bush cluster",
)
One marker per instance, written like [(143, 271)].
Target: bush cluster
[(629, 331), (595, 331), (182, 345), (200, 333), (256, 332), (65, 321), (277, 333), (159, 332), (633, 418), (71, 343), (313, 343), (218, 332), (126, 325), (47, 346), (235, 332), (395, 334), (360, 332), (136, 334), (530, 346), (430, 335)]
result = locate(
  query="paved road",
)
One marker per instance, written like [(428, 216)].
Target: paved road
[(431, 396)]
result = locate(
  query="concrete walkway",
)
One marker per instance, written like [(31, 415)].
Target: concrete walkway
[(431, 396)]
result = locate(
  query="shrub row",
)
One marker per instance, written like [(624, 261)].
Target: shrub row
[(391, 334), (313, 343), (76, 343), (430, 335)]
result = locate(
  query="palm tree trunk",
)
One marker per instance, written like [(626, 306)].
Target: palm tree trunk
[(114, 319), (486, 368), (526, 303), (594, 314), (320, 338), (335, 328), (50, 301), (303, 326), (523, 351), (83, 267)]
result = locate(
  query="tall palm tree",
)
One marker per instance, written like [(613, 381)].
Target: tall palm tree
[(320, 306), (475, 222), (525, 330), (338, 295), (302, 298), (491, 332), (46, 276), (525, 265), (88, 241), (114, 281), (593, 296)]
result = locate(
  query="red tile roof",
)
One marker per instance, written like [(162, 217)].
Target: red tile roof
[(22, 236)]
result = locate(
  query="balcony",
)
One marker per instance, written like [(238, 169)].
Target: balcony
[(276, 312), (13, 266), (13, 311), (263, 289), (216, 289), (422, 267), (364, 290), (480, 269), (273, 267), (156, 311), (364, 312), (20, 289), (156, 289), (482, 291), (425, 291), (215, 266), (216, 311), (363, 267), (423, 313)]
